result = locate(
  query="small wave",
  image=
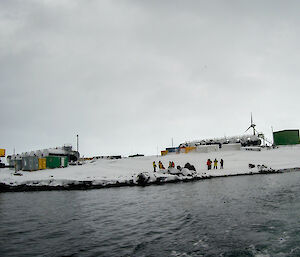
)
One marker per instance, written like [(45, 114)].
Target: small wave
[(178, 254)]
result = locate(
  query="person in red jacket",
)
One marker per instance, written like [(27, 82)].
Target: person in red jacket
[(208, 164), (173, 164)]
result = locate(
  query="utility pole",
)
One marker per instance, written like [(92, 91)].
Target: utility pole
[(172, 141), (77, 149), (77, 143)]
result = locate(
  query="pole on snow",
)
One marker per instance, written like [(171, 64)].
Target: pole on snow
[(77, 143)]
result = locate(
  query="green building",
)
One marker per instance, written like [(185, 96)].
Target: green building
[(286, 137), (56, 162)]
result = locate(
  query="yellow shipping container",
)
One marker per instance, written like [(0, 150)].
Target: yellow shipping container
[(42, 163), (164, 153), (189, 149), (2, 152)]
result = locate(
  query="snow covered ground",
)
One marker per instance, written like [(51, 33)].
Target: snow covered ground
[(107, 172)]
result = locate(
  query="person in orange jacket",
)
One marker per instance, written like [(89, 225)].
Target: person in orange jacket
[(160, 165)]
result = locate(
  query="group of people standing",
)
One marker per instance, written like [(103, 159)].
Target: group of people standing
[(161, 166), (209, 163)]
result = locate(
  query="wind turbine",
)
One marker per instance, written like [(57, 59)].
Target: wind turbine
[(259, 134), (251, 126)]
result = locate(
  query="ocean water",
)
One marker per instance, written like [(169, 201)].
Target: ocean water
[(235, 216)]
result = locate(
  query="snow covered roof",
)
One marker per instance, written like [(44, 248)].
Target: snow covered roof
[(64, 150), (223, 140)]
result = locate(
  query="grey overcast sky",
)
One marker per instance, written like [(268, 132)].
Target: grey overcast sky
[(128, 76)]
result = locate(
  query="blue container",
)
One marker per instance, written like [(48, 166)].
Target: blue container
[(171, 149)]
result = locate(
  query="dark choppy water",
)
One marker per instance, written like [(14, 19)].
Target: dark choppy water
[(238, 216)]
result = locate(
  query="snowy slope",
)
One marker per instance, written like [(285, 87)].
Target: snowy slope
[(105, 171)]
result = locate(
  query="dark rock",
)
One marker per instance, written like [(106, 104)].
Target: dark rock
[(18, 174), (142, 179), (189, 166)]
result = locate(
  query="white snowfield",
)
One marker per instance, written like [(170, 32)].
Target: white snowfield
[(106, 172)]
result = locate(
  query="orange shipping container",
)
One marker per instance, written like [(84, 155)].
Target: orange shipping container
[(2, 152)]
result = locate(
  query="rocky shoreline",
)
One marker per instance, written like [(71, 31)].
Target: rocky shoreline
[(141, 180)]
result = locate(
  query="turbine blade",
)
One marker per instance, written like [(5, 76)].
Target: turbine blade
[(247, 129)]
